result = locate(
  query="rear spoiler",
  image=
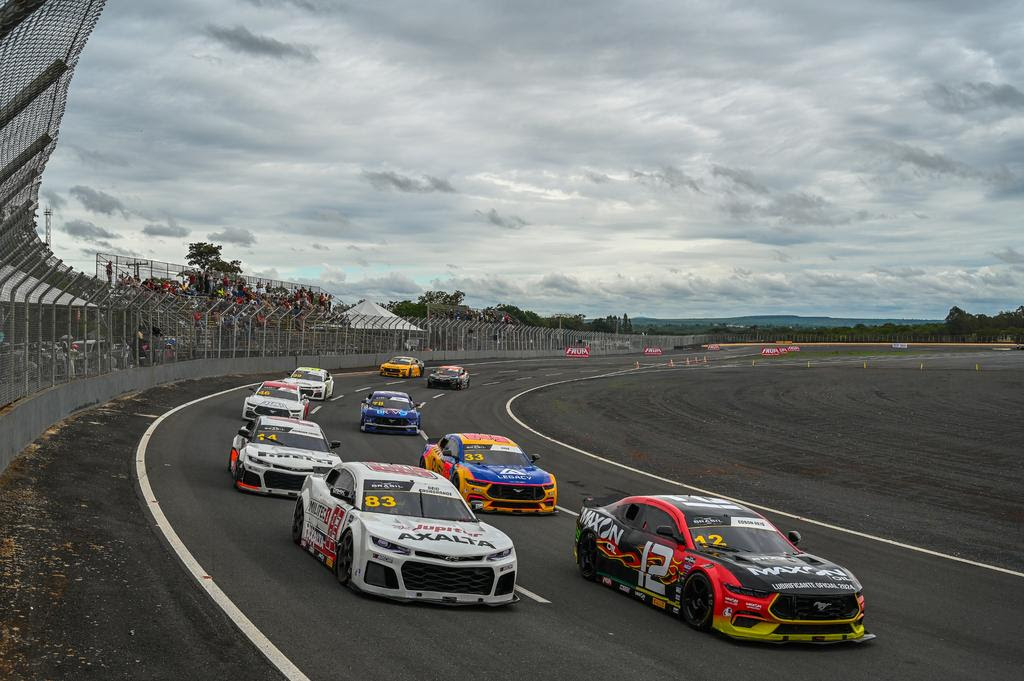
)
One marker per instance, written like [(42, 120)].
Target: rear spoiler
[(596, 502)]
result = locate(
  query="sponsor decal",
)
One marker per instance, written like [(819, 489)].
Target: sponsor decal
[(694, 501), (770, 352), (794, 348), (900, 346), (836, 575), (812, 585), (752, 523), (688, 563), (577, 352), (752, 606), (624, 588), (399, 469), (697, 521), (398, 485), (446, 528), (727, 612), (506, 568), (652, 352), (381, 557), (658, 603), (603, 526), (441, 536), (607, 581), (640, 595), (513, 473), (731, 601)]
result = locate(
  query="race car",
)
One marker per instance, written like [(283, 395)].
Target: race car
[(275, 398), (275, 455), (387, 411), (492, 473), (448, 377), (718, 565), (314, 383), (404, 533), (402, 367)]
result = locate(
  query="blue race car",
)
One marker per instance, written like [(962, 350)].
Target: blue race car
[(387, 411)]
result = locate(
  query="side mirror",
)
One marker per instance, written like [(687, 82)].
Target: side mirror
[(243, 432), (534, 457), (335, 444), (793, 536), (667, 531)]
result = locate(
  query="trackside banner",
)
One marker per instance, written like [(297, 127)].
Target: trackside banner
[(577, 352), (713, 346), (770, 352), (652, 352)]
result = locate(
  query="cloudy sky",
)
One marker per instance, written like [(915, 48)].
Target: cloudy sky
[(673, 159)]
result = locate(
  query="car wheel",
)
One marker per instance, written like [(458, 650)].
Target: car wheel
[(698, 601), (298, 522), (586, 556), (239, 472), (457, 480), (343, 559), (423, 463), (362, 425)]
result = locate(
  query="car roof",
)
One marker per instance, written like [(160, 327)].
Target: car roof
[(483, 439), (283, 386), (296, 425), (691, 504), (451, 366), (402, 357), (393, 471), (390, 393), (309, 369)]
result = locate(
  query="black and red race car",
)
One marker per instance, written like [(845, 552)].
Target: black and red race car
[(718, 565)]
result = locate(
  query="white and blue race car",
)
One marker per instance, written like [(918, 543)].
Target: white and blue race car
[(387, 411)]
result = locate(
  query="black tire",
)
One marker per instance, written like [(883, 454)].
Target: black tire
[(298, 522), (423, 462), (239, 472), (456, 480), (698, 602), (586, 557), (343, 559)]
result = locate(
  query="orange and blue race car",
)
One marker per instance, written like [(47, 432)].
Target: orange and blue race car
[(492, 473), (718, 565)]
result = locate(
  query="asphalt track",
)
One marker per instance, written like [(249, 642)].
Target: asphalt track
[(933, 616)]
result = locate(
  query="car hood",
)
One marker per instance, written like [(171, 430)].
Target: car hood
[(271, 402), (445, 537), (304, 382), (523, 475), (786, 573), (300, 459), (390, 413)]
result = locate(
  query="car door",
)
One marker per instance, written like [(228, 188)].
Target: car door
[(450, 457), (625, 537), (657, 552)]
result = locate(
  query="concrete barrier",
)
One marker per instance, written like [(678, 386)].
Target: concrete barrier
[(25, 420)]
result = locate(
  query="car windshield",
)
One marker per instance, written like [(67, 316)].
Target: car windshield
[(379, 402), (762, 539), (307, 375), (496, 455), (400, 360), (277, 393), (281, 436), (416, 504), (447, 372)]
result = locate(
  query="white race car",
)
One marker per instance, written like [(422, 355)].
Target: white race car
[(405, 533), (275, 455), (316, 384), (275, 398)]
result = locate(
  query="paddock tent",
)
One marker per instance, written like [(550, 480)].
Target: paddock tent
[(370, 315)]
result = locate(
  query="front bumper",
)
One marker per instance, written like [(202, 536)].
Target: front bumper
[(260, 479), (318, 393), (501, 498), (421, 578), (396, 373), (754, 619), (250, 412), (409, 428)]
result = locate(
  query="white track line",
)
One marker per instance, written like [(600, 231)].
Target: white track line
[(557, 373), (361, 389), (508, 371), (563, 509), (424, 435), (819, 523), (393, 383), (530, 594), (436, 396), (524, 378), (316, 409), (493, 383), (205, 581), (337, 398)]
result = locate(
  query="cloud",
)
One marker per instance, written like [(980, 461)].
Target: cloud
[(55, 200), (242, 40), (510, 222), (966, 97), (234, 235), (83, 229), (1010, 255), (562, 283), (741, 179), (596, 178), (797, 208), (390, 180), (318, 247), (96, 201), (171, 228), (668, 176), (926, 162)]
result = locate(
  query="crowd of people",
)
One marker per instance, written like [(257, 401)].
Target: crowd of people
[(463, 313), (216, 286)]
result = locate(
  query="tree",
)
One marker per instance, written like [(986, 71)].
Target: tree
[(206, 256), (442, 298), (407, 308)]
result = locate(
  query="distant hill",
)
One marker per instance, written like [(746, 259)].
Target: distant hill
[(763, 321)]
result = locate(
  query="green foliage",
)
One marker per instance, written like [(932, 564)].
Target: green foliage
[(443, 298), (206, 256)]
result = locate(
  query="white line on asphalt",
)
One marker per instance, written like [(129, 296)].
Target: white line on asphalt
[(424, 435), (563, 509), (557, 373), (530, 594), (148, 416), (436, 396), (316, 409), (785, 514), (191, 565), (508, 371), (524, 378), (493, 383), (366, 388), (393, 383), (337, 398)]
